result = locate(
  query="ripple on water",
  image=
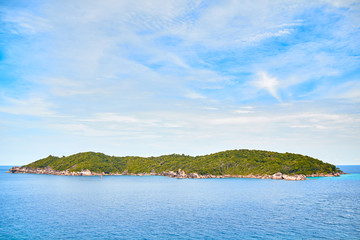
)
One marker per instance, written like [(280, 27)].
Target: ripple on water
[(50, 207)]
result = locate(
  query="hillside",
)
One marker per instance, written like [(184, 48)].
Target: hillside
[(232, 162)]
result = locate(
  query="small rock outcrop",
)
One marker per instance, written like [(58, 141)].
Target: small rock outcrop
[(14, 170), (294, 177), (181, 174), (193, 175), (277, 175), (86, 172), (334, 174), (297, 177), (266, 176), (169, 174)]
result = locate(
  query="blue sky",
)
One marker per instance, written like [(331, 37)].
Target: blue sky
[(196, 77)]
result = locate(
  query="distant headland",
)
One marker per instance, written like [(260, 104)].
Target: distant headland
[(227, 164)]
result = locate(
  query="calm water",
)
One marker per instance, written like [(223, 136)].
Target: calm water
[(127, 207)]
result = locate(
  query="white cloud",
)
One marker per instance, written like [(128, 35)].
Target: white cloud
[(343, 3), (112, 117), (210, 108), (23, 22), (349, 91), (271, 84), (245, 110), (65, 87), (33, 106), (194, 95), (262, 36), (138, 77), (242, 111)]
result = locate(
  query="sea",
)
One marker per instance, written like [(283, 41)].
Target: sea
[(155, 207)]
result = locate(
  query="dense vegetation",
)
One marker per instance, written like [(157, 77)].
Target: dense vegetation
[(234, 162)]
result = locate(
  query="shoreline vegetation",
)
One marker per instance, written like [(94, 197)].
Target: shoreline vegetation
[(227, 164)]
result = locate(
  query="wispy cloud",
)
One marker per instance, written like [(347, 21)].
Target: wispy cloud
[(33, 106), (194, 95), (271, 84), (24, 22), (163, 76)]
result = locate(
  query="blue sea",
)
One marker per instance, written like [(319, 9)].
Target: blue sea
[(149, 207)]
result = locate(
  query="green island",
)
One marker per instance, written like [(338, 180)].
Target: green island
[(232, 163)]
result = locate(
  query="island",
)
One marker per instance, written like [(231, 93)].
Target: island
[(241, 163)]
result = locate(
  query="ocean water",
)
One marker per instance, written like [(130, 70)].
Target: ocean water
[(130, 207)]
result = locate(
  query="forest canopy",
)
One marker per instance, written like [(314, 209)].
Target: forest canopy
[(232, 162)]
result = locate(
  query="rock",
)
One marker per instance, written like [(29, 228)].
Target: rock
[(277, 175), (208, 176), (194, 175), (181, 174), (294, 177), (251, 176), (48, 169), (301, 177), (85, 172), (169, 174), (334, 174), (14, 170)]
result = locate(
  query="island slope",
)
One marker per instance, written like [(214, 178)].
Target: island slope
[(232, 163)]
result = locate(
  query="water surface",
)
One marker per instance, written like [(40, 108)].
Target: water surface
[(149, 207)]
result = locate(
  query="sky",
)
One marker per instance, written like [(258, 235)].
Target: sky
[(147, 78)]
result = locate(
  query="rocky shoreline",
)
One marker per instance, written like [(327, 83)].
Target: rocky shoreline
[(178, 174)]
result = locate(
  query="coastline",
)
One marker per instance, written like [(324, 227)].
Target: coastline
[(178, 174)]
